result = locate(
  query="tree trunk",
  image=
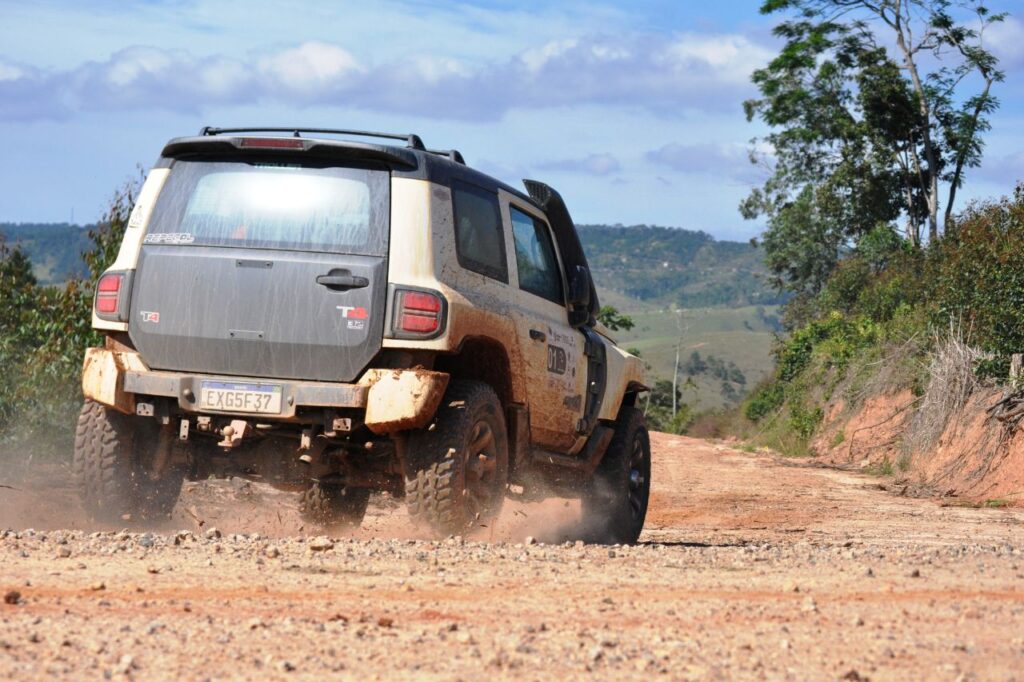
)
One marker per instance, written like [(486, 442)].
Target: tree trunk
[(932, 191), (675, 380)]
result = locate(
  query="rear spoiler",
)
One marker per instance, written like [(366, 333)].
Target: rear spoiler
[(216, 145)]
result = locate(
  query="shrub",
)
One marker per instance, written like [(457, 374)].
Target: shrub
[(44, 332), (765, 400), (977, 274)]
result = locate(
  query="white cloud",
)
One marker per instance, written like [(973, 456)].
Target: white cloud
[(10, 72), (731, 57), (431, 69), (643, 71), (1006, 40), (711, 159), (309, 66), (220, 77), (535, 58), (1005, 170), (131, 65)]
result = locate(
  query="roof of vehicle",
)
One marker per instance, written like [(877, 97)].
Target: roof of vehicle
[(413, 160)]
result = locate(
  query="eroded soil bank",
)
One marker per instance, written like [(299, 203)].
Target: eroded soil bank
[(975, 460), (751, 567)]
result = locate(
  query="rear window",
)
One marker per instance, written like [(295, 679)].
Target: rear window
[(273, 206)]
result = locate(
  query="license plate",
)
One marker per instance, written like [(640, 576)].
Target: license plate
[(240, 397)]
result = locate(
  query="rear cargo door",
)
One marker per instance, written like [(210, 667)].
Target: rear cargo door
[(262, 269)]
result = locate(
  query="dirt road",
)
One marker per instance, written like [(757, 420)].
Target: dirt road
[(750, 567)]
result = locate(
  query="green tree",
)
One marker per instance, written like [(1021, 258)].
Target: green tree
[(18, 303), (659, 408), (610, 317), (44, 331), (860, 137)]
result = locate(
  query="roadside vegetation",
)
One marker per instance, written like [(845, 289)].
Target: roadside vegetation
[(877, 114), (44, 329)]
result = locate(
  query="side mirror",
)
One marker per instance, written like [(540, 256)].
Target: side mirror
[(579, 296)]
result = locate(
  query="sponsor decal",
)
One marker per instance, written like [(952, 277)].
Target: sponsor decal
[(150, 316), (353, 312), (169, 238), (357, 324), (573, 403)]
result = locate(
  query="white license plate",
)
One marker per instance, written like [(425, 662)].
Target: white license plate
[(240, 397)]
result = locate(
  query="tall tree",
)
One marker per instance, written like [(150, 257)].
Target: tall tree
[(861, 135)]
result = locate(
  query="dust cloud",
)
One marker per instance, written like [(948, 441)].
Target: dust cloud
[(41, 495)]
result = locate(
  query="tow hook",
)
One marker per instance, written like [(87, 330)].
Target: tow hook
[(234, 432)]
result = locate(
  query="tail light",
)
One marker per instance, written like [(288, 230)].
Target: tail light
[(418, 313), (111, 296)]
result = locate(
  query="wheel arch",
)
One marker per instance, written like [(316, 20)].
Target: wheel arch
[(482, 358)]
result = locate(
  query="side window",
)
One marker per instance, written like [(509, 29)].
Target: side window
[(535, 257), (479, 244)]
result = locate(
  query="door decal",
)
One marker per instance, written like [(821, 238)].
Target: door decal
[(557, 361)]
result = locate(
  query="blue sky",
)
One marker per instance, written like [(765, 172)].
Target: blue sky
[(631, 109)]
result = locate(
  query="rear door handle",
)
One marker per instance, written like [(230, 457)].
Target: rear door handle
[(342, 282), (538, 335)]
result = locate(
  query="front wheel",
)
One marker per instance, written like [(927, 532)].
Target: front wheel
[(615, 500), (457, 469)]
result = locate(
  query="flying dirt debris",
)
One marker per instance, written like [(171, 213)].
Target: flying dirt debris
[(750, 566), (341, 318)]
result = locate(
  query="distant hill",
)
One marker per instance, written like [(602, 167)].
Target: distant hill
[(54, 248), (676, 266), (664, 265)]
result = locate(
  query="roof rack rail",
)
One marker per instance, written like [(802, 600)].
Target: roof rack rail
[(452, 154), (411, 140)]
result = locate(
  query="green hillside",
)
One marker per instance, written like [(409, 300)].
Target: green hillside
[(684, 288), (740, 337), (676, 266), (54, 248)]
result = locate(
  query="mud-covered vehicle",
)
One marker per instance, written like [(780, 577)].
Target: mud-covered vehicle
[(337, 318)]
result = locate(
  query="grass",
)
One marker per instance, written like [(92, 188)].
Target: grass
[(993, 503), (883, 468), (738, 335)]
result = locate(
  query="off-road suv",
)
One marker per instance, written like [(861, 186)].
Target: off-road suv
[(340, 317)]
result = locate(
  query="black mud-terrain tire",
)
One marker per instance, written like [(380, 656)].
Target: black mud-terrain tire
[(457, 469), (615, 500), (111, 467), (334, 505)]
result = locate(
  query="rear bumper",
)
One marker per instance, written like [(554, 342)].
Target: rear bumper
[(186, 388), (393, 400)]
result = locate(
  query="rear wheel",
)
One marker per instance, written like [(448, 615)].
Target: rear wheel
[(615, 500), (114, 467), (457, 469), (333, 504)]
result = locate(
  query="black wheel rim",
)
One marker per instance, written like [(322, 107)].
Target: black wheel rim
[(638, 480), (481, 469)]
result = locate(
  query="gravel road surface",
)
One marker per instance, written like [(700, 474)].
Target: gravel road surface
[(751, 567)]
